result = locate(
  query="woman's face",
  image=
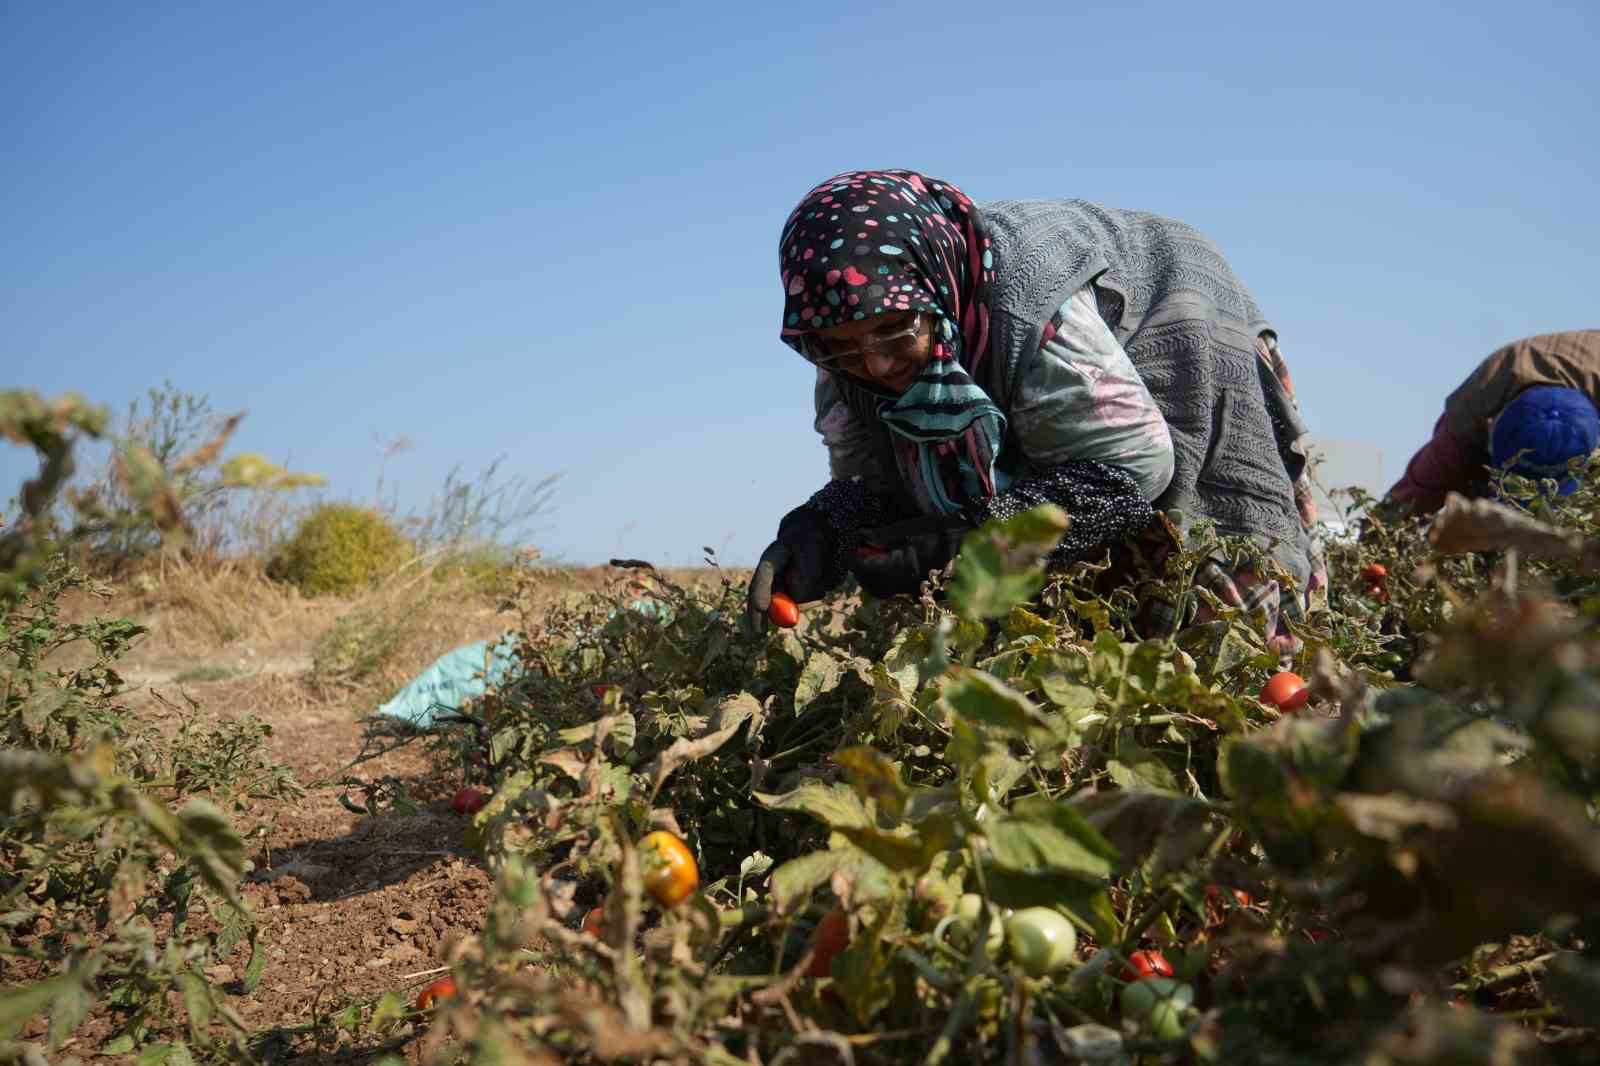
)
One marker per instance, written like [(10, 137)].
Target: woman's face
[(887, 350)]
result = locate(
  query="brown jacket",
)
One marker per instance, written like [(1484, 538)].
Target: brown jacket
[(1458, 455)]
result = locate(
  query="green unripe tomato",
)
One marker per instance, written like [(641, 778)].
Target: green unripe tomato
[(1158, 1005), (1041, 940), (965, 918)]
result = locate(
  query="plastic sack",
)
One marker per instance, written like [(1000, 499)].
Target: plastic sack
[(455, 677)]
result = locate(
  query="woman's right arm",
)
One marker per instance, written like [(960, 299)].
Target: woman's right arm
[(814, 542)]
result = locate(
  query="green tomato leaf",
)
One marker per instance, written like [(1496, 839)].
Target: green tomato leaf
[(821, 675), (1001, 564), (1037, 846), (874, 777), (836, 806), (985, 699)]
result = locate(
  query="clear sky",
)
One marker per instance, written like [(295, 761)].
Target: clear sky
[(549, 231)]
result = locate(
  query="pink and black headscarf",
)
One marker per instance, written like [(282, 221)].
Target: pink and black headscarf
[(870, 242)]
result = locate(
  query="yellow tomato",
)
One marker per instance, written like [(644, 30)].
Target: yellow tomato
[(670, 873)]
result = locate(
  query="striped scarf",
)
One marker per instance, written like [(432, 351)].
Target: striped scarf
[(870, 242)]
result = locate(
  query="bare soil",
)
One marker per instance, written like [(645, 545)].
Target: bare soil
[(351, 906)]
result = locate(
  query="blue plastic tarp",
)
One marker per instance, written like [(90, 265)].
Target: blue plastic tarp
[(454, 678), (463, 674)]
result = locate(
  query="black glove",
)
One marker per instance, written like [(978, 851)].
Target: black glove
[(801, 562), (897, 559)]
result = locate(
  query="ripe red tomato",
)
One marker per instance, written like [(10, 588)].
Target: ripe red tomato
[(1374, 574), (782, 611), (468, 801), (592, 922), (670, 872), (1240, 896), (832, 936), (443, 988), (600, 690), (1286, 691), (1142, 964)]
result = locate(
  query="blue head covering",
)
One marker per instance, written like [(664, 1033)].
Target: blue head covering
[(1541, 430)]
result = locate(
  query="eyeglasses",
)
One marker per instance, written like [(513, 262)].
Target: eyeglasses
[(829, 354)]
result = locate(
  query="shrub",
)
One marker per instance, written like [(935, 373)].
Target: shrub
[(338, 548)]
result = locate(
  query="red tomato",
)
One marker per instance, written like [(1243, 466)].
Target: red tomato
[(670, 872), (832, 936), (783, 611), (1142, 964), (1374, 574), (1286, 691), (592, 922), (1240, 896), (1377, 593), (443, 988), (600, 691), (468, 801)]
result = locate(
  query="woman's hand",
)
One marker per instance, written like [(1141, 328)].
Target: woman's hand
[(898, 559), (798, 562)]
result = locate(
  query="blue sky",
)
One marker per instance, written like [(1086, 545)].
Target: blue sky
[(549, 232)]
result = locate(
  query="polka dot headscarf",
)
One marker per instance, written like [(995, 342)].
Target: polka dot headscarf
[(868, 242)]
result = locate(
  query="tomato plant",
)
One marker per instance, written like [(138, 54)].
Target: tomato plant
[(1010, 738)]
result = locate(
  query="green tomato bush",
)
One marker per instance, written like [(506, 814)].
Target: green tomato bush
[(1007, 736)]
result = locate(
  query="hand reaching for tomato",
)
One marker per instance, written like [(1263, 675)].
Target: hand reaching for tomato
[(798, 563)]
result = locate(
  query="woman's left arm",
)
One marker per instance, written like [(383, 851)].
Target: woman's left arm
[(1079, 398), (1094, 439)]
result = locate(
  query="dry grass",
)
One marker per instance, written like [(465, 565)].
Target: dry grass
[(244, 644)]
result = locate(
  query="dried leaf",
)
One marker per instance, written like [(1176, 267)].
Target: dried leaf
[(207, 453), (730, 715), (1465, 525)]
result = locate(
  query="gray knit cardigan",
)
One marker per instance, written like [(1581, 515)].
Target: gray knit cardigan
[(1189, 327)]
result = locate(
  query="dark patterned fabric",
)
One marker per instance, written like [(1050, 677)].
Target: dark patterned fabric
[(849, 508), (868, 242), (1103, 502)]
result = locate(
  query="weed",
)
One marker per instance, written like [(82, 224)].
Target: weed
[(354, 647)]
